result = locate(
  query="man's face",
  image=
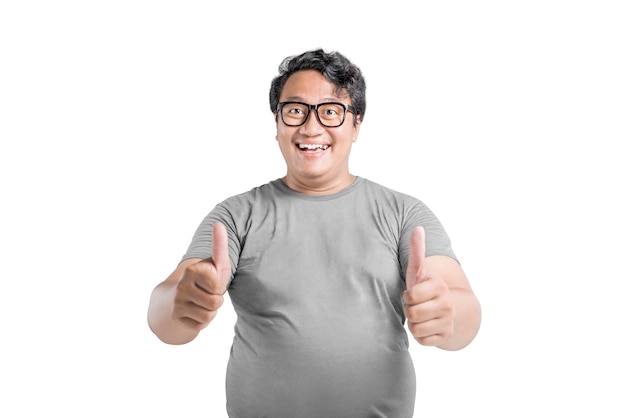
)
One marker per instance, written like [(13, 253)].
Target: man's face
[(316, 156)]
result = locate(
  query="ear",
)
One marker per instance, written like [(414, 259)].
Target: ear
[(357, 128)]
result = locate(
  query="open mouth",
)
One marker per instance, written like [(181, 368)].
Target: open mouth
[(313, 147)]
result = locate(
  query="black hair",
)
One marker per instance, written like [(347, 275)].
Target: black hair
[(335, 67)]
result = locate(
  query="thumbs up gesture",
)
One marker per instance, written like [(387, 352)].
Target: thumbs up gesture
[(199, 292), (428, 303)]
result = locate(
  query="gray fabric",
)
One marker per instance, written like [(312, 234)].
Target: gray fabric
[(317, 287)]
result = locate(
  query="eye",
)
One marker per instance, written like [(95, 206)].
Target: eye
[(294, 109), (331, 111)]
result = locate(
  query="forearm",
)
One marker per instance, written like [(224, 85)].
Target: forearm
[(161, 320), (466, 321)]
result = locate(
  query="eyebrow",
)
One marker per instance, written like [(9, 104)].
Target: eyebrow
[(301, 99)]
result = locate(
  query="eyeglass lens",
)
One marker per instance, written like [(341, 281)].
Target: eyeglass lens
[(329, 114)]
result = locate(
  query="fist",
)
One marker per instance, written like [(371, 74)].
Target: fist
[(428, 304), (200, 291)]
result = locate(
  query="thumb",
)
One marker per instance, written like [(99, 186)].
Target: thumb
[(417, 254), (221, 258)]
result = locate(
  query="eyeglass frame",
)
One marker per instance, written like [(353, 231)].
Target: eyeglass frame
[(347, 108)]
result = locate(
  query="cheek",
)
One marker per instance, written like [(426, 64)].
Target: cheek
[(284, 143), (281, 133), (285, 135)]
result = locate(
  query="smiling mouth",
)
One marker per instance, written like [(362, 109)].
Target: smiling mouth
[(313, 147)]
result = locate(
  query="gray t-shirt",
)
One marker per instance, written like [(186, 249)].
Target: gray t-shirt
[(317, 287)]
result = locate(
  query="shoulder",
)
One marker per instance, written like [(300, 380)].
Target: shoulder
[(250, 196), (385, 193)]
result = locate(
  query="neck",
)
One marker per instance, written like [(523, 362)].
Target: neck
[(319, 188)]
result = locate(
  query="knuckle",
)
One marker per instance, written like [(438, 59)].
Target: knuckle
[(206, 316), (182, 287), (178, 311), (214, 302), (409, 313)]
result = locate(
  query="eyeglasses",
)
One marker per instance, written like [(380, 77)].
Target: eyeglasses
[(330, 115)]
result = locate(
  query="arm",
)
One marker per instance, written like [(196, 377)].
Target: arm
[(440, 306), (187, 301)]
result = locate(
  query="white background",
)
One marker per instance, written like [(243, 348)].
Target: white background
[(123, 122)]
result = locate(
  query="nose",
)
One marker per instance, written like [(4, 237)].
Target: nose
[(312, 125)]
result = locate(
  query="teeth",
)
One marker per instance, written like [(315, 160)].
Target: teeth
[(313, 146)]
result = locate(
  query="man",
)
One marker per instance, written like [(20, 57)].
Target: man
[(322, 268)]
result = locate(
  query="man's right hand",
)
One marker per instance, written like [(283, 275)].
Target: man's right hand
[(200, 291)]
